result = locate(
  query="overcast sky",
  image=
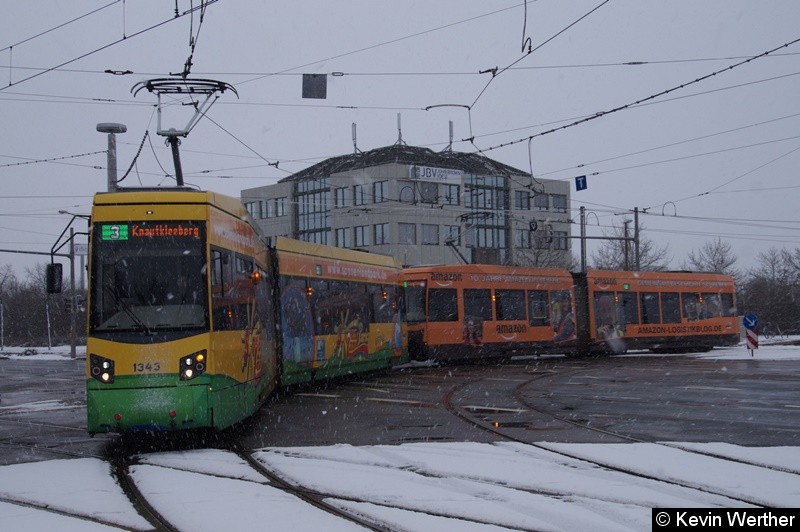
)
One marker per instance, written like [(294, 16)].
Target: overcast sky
[(706, 155)]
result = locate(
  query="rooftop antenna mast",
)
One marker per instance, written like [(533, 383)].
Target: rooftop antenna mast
[(206, 89), (450, 144), (355, 145), (399, 131)]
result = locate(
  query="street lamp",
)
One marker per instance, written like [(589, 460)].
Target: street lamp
[(82, 254), (73, 300), (112, 128)]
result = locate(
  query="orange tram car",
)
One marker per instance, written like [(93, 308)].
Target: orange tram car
[(474, 311)]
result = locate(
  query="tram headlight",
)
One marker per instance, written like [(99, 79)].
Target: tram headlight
[(101, 368), (192, 365)]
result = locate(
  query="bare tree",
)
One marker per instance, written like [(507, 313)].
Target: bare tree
[(544, 258), (8, 280), (772, 291), (716, 256), (618, 254)]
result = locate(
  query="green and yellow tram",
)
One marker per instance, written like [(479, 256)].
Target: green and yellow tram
[(194, 319)]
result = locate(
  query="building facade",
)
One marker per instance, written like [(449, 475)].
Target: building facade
[(422, 207)]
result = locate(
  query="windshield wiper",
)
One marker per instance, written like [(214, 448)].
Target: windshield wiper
[(120, 304)]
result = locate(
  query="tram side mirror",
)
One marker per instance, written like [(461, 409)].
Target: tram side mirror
[(54, 275)]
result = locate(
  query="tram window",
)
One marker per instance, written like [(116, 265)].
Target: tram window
[(415, 303), (509, 305), (537, 308), (670, 307), (650, 310), (630, 307), (605, 314), (318, 297), (710, 306), (219, 272), (728, 308), (442, 304), (223, 312), (343, 308), (244, 265), (264, 307), (690, 303), (563, 320), (478, 303), (327, 303), (239, 298), (384, 302)]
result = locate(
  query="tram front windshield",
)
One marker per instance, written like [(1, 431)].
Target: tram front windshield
[(148, 277)]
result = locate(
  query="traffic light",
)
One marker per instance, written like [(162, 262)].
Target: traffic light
[(54, 275)]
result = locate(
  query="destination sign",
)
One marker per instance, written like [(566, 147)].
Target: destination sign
[(158, 230)]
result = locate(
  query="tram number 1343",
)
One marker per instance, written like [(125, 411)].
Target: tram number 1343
[(146, 367)]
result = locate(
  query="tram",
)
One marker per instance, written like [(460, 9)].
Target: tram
[(194, 319), (466, 312), (659, 311), (472, 311)]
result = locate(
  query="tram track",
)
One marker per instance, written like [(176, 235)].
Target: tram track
[(56, 511), (44, 424), (517, 404), (313, 498), (121, 472)]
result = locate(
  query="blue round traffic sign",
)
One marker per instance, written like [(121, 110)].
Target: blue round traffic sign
[(750, 321)]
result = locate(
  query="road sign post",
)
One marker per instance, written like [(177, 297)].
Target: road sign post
[(750, 322)]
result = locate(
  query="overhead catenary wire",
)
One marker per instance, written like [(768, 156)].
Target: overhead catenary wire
[(514, 67), (104, 47), (642, 100), (54, 28), (496, 72)]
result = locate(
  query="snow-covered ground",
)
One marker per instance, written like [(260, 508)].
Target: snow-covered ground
[(420, 486)]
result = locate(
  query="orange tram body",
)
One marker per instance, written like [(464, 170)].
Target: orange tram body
[(473, 311)]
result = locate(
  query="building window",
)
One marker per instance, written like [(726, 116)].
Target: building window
[(469, 237), (452, 235), (489, 237), (280, 207), (407, 233), (486, 199), (522, 200), (312, 201), (540, 240), (263, 207), (380, 191), (251, 208), (559, 203), (430, 234), (522, 238), (360, 194), (559, 240), (428, 192), (452, 195), (380, 233), (361, 235), (311, 214), (541, 202), (343, 237), (405, 191), (319, 237), (342, 197)]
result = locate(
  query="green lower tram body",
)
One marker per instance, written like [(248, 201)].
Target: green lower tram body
[(157, 403)]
